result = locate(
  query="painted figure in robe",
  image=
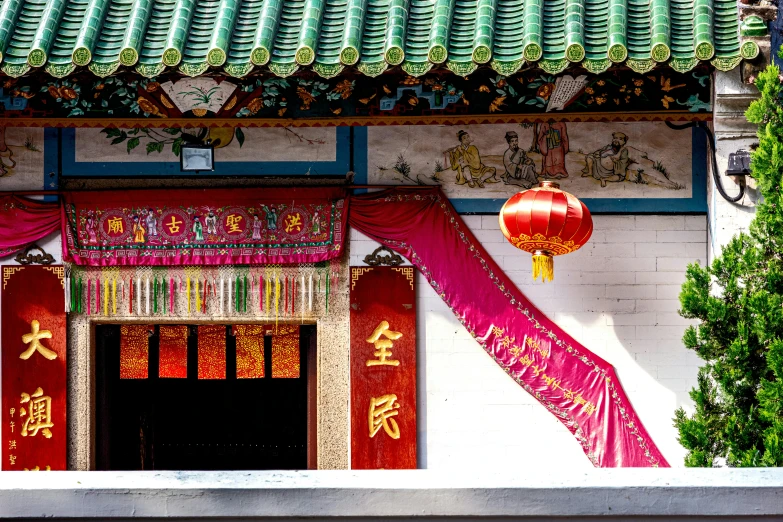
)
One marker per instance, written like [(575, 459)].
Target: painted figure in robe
[(257, 224), (91, 228), (520, 169), (466, 160), (608, 163), (198, 229), (152, 224), (138, 230), (211, 222), (316, 224), (552, 141), (271, 217)]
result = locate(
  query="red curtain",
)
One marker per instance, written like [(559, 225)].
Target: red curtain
[(250, 351), (285, 352), (134, 351), (578, 387), (24, 221), (173, 352), (212, 351)]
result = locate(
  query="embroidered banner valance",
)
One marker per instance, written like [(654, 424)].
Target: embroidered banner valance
[(204, 227)]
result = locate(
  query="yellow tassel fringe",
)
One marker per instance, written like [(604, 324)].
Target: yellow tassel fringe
[(543, 266)]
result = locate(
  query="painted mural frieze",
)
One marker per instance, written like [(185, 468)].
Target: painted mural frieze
[(481, 166), (389, 98), (22, 159)]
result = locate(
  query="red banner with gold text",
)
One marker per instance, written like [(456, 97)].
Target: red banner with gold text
[(383, 368), (33, 369), (204, 226)]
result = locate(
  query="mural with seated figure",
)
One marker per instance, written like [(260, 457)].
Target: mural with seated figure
[(489, 163)]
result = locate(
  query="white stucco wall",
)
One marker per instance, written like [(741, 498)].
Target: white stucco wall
[(732, 133), (541, 495), (618, 296), (51, 244)]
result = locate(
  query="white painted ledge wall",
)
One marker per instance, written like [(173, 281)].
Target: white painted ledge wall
[(533, 494)]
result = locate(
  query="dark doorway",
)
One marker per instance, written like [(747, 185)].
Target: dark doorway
[(192, 424)]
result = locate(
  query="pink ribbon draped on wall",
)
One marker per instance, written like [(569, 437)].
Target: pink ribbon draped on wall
[(25, 221), (578, 387)]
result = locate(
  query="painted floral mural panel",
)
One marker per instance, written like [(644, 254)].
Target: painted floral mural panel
[(494, 161), (279, 144)]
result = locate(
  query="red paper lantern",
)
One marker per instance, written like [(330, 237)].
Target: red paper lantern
[(546, 222)]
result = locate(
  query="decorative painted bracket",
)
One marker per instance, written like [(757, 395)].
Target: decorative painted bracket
[(437, 99), (12, 103)]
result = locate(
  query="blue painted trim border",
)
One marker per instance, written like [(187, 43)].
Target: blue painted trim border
[(360, 157), (339, 167), (50, 177), (696, 204)]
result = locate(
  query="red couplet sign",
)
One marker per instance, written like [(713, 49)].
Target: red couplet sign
[(33, 358), (383, 368)]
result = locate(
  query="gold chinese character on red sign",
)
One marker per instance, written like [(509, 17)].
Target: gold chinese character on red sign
[(382, 409), (293, 222), (39, 414), (382, 346), (173, 225), (232, 222), (115, 225), (34, 340)]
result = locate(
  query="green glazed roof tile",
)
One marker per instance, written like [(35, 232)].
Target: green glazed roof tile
[(328, 36)]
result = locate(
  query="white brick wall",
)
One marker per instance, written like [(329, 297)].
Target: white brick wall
[(618, 296)]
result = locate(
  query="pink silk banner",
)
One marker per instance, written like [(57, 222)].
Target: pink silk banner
[(203, 227), (25, 221), (578, 387)]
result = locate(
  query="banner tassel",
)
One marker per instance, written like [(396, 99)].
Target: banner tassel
[(277, 298), (106, 297), (310, 295), (66, 289), (543, 266), (222, 293), (268, 293)]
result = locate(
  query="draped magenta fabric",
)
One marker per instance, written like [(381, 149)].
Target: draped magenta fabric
[(579, 388), (24, 221)]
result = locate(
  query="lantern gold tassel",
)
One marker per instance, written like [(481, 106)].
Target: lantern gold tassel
[(543, 265)]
